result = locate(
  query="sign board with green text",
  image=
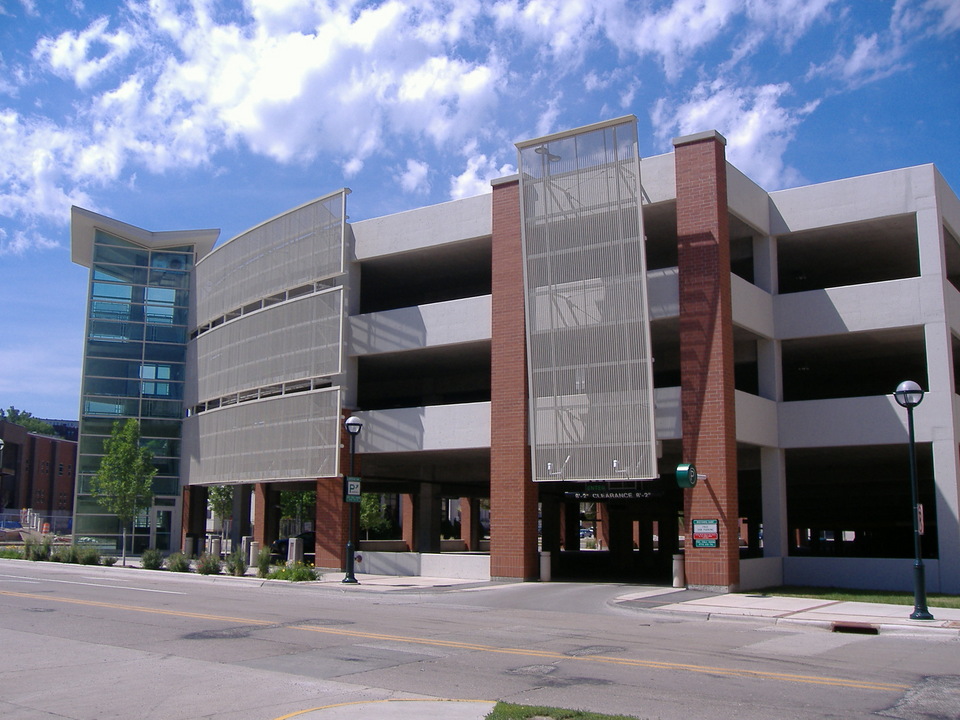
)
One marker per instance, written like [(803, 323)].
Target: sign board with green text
[(706, 533), (351, 489)]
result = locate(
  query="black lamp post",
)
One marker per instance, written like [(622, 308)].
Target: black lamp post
[(353, 425), (908, 394)]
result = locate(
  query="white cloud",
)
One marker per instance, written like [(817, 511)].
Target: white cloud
[(85, 55), (414, 178), (757, 126), (672, 33), (870, 59), (479, 171), (564, 31), (787, 20), (33, 158)]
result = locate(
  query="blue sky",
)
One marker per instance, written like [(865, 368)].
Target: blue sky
[(175, 115)]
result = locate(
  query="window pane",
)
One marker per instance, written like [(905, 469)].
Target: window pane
[(107, 291), (160, 428), (114, 254), (116, 331), (169, 353), (173, 261), (120, 274)]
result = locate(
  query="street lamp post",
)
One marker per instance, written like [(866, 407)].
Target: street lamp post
[(908, 395), (353, 425)]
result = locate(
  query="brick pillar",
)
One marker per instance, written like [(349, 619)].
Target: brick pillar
[(193, 523), (408, 521), (332, 520), (513, 496), (706, 368), (331, 524), (265, 514), (470, 522)]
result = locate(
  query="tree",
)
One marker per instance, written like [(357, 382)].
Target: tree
[(298, 506), (372, 518), (25, 419), (220, 500), (124, 482)]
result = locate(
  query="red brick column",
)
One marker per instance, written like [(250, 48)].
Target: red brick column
[(470, 522), (706, 368), (513, 496), (331, 526), (332, 520), (408, 521), (193, 522)]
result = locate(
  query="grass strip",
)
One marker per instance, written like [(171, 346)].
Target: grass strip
[(891, 597), (509, 711)]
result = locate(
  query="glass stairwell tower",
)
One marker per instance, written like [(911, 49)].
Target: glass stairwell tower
[(137, 326)]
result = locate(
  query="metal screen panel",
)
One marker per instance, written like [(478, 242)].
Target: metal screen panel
[(588, 333), (288, 437), (294, 340), (301, 246)]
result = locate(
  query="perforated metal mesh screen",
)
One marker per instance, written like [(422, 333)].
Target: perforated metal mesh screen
[(260, 372), (283, 438), (588, 335), (294, 340), (298, 247)]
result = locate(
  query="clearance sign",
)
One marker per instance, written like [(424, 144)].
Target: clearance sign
[(706, 533)]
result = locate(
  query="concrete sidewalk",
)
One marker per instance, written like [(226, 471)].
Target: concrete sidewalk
[(838, 616)]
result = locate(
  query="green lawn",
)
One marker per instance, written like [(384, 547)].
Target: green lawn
[(507, 711), (870, 596)]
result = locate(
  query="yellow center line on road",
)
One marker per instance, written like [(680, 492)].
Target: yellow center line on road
[(458, 645)]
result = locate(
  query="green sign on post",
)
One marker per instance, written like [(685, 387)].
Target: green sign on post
[(351, 489)]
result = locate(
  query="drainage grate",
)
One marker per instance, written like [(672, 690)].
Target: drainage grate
[(855, 628)]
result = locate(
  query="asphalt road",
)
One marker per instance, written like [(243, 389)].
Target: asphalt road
[(96, 643)]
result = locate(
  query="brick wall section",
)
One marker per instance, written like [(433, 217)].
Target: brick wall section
[(408, 521), (193, 525), (332, 512), (513, 496), (706, 341)]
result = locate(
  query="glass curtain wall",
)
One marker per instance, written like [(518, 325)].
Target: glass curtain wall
[(134, 359)]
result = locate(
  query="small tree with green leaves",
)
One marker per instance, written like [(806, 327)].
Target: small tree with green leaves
[(372, 519), (220, 500), (299, 506), (123, 484)]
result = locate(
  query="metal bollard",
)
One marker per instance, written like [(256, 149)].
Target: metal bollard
[(254, 552)]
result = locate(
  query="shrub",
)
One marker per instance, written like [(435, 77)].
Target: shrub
[(236, 563), (11, 553), (178, 562), (298, 572), (32, 550), (65, 554), (209, 564), (88, 556), (109, 560), (263, 563), (151, 559)]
